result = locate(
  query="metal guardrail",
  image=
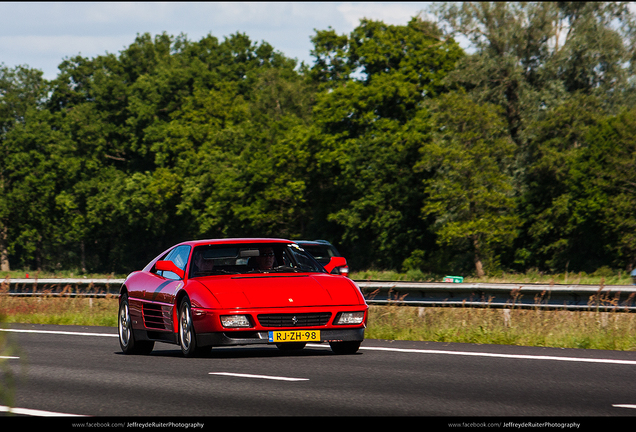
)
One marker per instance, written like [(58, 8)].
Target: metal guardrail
[(61, 287), (570, 297)]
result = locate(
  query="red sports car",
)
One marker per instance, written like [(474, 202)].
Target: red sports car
[(205, 293)]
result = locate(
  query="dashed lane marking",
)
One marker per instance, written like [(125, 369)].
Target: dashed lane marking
[(240, 375), (499, 355), (624, 406), (36, 413)]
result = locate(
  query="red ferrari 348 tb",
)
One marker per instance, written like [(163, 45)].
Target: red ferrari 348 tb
[(205, 293)]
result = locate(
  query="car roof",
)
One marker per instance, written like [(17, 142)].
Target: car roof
[(234, 241)]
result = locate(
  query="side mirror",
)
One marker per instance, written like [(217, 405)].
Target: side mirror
[(335, 262), (169, 266)]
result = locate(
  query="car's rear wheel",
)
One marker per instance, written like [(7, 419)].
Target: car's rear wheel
[(348, 347), (127, 340)]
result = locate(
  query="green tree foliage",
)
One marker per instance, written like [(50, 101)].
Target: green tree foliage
[(169, 133), (23, 160), (580, 206), (395, 144), (369, 130), (552, 236), (556, 68), (470, 191), (530, 55), (605, 176)]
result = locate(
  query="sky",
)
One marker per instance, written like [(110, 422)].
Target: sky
[(42, 34)]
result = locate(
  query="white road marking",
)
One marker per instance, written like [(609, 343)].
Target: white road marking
[(36, 413), (8, 357), (404, 350), (624, 406), (60, 332), (259, 376), (485, 354)]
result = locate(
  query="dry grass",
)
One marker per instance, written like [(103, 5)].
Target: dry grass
[(60, 310), (527, 327)]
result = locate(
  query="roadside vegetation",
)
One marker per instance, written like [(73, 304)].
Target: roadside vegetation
[(562, 329), (524, 327), (60, 310), (528, 327)]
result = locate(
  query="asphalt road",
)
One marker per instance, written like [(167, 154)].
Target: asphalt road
[(81, 371)]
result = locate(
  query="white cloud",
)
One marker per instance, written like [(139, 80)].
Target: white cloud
[(389, 13), (64, 45), (113, 13)]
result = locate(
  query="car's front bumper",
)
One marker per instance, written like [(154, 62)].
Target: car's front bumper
[(262, 337)]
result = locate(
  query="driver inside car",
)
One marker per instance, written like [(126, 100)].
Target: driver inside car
[(202, 265), (266, 259)]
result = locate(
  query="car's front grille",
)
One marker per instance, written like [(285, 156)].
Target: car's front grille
[(294, 320)]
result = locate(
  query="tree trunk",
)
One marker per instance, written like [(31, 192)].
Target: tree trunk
[(83, 256), (479, 268), (4, 253)]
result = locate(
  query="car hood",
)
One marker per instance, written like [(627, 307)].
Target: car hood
[(272, 291)]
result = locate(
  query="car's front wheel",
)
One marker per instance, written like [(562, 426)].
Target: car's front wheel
[(187, 335), (127, 340)]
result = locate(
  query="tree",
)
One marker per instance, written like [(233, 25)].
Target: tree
[(368, 125), (552, 238), (529, 55), (22, 92), (169, 133), (605, 178), (470, 191), (39, 165)]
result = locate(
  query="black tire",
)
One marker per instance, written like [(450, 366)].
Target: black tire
[(127, 340), (187, 335), (348, 347)]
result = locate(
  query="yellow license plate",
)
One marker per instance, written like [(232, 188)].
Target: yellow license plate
[(294, 336)]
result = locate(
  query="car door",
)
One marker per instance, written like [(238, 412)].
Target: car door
[(159, 297)]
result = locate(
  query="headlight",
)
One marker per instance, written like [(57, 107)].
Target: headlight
[(235, 321), (349, 318)]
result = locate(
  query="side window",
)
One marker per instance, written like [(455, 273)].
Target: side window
[(303, 261), (179, 256)]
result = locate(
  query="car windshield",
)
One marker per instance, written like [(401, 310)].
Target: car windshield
[(248, 258)]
